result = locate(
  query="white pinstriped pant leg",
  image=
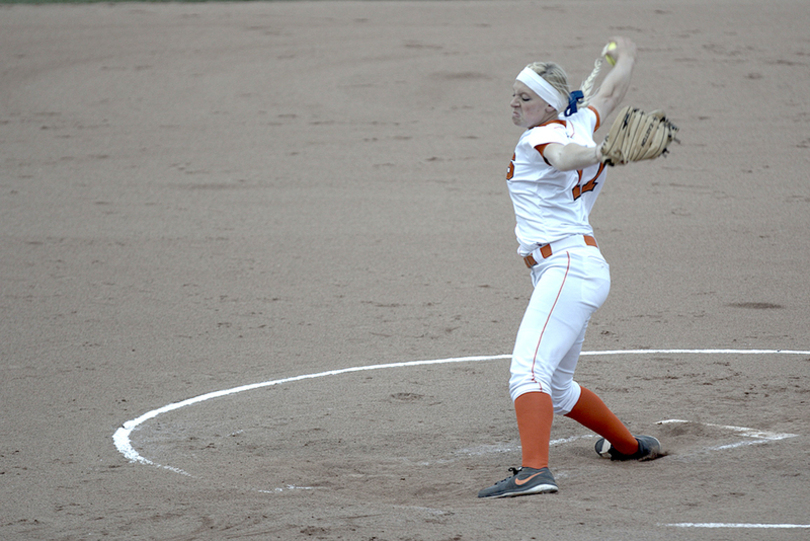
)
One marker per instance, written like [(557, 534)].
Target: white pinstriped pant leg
[(569, 288)]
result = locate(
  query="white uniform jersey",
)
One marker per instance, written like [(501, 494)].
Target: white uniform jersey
[(549, 204)]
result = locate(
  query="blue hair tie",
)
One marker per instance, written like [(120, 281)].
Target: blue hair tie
[(573, 99)]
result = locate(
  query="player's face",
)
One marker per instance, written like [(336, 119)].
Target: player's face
[(529, 109)]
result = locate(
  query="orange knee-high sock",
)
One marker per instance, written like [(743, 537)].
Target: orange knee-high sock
[(592, 413), (535, 414)]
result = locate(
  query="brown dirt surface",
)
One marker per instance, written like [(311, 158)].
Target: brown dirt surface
[(198, 197)]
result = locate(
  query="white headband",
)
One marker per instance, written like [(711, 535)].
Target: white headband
[(543, 88)]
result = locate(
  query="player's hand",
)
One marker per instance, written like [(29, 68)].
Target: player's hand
[(625, 48)]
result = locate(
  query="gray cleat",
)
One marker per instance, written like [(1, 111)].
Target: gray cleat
[(649, 448), (524, 481)]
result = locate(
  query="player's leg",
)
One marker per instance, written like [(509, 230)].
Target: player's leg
[(558, 311), (583, 406), (550, 336), (535, 414), (548, 329), (569, 287), (592, 413), (616, 442), (532, 365), (530, 388)]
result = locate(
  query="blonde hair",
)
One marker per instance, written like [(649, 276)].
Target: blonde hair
[(556, 77)]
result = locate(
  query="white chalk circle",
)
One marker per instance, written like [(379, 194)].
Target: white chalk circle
[(123, 443)]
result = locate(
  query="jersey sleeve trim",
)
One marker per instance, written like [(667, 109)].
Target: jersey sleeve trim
[(598, 118), (541, 149)]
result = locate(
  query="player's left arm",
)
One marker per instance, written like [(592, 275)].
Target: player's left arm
[(572, 156)]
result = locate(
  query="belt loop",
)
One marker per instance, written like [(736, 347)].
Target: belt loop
[(590, 241), (529, 260), (545, 251)]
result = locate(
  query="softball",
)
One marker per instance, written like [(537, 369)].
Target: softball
[(610, 47)]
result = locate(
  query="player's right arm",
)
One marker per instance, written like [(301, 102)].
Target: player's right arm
[(616, 83)]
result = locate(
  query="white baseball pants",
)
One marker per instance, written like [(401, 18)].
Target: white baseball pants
[(569, 286)]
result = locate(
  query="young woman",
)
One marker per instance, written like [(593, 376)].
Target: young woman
[(555, 175)]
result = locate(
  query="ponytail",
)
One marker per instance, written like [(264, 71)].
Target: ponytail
[(588, 88)]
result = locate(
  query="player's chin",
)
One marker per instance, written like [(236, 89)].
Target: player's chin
[(516, 119)]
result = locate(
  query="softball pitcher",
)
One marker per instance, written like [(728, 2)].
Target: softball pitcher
[(554, 177)]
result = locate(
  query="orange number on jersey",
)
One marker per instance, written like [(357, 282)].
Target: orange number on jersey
[(510, 171), (580, 189)]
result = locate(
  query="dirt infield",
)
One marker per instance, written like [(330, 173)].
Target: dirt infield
[(197, 197)]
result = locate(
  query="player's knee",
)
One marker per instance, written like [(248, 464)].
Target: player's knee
[(521, 386), (564, 399)]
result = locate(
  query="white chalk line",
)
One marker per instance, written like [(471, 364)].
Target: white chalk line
[(282, 489), (733, 525), (122, 441), (757, 436), (124, 445)]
